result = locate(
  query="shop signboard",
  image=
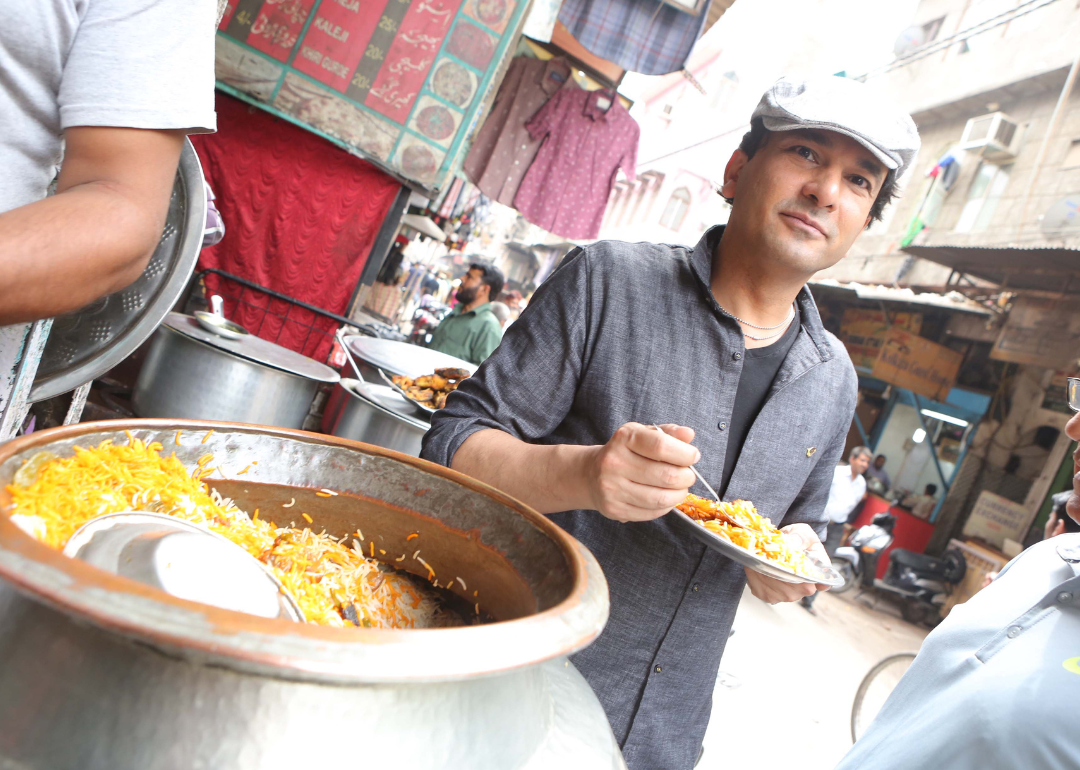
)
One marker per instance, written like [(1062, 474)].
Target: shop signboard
[(915, 363), (398, 82), (863, 332), (995, 518), (1040, 331)]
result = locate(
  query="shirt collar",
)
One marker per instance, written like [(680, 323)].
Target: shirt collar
[(555, 66), (701, 258), (592, 109), (460, 309)]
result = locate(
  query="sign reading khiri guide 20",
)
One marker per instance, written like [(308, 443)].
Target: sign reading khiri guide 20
[(399, 81), (917, 364)]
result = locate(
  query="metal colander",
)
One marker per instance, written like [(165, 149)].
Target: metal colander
[(91, 341)]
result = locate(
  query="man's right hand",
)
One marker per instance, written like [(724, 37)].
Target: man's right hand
[(642, 473)]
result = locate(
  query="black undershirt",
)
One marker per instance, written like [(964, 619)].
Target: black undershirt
[(759, 368)]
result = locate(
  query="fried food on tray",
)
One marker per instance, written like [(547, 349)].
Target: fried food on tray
[(452, 373), (423, 395), (740, 524), (431, 390), (433, 381)]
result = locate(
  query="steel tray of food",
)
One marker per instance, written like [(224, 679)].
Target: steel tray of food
[(739, 532)]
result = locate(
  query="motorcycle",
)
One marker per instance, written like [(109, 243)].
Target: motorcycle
[(922, 582), (426, 318), (857, 561)]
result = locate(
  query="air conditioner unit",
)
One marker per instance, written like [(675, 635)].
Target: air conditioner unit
[(995, 136)]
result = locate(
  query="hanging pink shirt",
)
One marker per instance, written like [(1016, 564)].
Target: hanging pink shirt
[(567, 186)]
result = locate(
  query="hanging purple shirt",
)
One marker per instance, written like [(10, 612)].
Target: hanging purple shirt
[(503, 150), (567, 186)]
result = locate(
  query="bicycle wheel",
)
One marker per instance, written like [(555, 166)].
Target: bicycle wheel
[(875, 688)]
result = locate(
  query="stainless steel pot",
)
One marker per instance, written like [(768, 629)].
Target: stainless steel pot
[(375, 414), (192, 373), (103, 672)]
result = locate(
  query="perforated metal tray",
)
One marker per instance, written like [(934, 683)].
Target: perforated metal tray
[(91, 341)]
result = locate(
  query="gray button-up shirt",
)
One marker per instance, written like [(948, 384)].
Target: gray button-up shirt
[(997, 685), (631, 332)]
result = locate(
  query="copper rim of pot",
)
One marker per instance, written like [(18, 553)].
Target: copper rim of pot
[(283, 649)]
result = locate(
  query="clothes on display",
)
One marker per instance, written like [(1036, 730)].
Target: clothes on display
[(587, 137), (646, 36), (504, 148)]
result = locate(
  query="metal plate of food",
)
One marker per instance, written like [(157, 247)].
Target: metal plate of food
[(399, 390), (91, 341), (812, 571), (401, 357)]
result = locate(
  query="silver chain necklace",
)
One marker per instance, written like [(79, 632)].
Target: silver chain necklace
[(783, 323)]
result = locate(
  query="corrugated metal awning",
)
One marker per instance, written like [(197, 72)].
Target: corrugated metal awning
[(953, 300), (424, 226), (1051, 269)]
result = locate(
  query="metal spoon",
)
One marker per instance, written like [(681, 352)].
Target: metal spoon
[(697, 473)]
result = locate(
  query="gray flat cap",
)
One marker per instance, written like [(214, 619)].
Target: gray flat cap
[(847, 107)]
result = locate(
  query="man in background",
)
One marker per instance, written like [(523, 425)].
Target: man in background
[(877, 471), (922, 505), (847, 490), (110, 87), (501, 313), (471, 331)]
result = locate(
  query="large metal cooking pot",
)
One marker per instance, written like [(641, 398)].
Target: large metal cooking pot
[(376, 414), (193, 373), (103, 672)]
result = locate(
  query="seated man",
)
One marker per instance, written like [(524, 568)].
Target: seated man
[(877, 471), (922, 505), (472, 331), (995, 686)]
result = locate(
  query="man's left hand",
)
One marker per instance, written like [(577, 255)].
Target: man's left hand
[(773, 591)]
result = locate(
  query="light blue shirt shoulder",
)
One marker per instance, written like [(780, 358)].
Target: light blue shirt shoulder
[(996, 685)]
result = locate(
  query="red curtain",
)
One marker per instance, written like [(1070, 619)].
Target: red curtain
[(300, 218)]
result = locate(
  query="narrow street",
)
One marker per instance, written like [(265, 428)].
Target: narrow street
[(787, 681)]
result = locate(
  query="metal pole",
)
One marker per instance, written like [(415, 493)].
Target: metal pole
[(1055, 118)]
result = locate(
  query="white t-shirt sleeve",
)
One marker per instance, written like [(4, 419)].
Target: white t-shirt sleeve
[(142, 64)]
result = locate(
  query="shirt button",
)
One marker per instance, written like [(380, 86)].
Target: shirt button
[(737, 356), (1064, 597), (722, 426), (658, 669), (1014, 632), (697, 587)]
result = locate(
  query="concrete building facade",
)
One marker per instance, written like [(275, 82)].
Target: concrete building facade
[(1015, 67)]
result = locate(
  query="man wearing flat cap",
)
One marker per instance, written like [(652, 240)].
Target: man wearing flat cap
[(737, 370)]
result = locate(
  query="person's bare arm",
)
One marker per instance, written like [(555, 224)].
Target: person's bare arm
[(640, 474), (97, 233)]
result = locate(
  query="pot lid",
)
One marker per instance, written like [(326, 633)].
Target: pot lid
[(89, 342), (385, 397), (254, 349), (403, 358)]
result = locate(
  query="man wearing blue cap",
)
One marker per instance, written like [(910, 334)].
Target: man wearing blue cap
[(737, 362)]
